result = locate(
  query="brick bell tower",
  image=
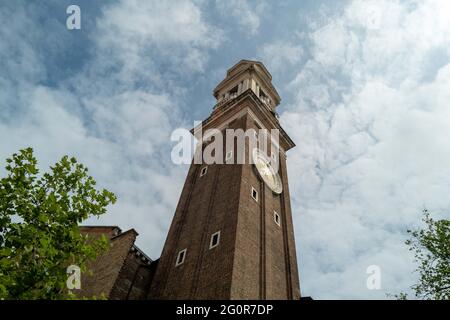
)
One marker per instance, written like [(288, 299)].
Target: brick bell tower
[(232, 235)]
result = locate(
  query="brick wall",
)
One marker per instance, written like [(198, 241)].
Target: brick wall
[(255, 258), (133, 280), (107, 267)]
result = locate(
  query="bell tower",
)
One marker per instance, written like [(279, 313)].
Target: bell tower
[(232, 234)]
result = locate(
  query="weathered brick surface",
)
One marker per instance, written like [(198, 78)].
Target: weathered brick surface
[(288, 227), (260, 264), (133, 280), (118, 273)]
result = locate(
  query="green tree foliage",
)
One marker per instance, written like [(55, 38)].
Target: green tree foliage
[(39, 225), (431, 247)]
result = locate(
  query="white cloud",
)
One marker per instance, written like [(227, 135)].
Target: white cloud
[(372, 142), (280, 55), (116, 114), (133, 29), (247, 15)]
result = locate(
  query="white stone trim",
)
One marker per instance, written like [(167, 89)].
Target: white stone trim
[(211, 244), (181, 253)]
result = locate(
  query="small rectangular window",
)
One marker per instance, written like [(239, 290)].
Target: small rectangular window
[(254, 194), (215, 238), (203, 171), (180, 257), (276, 218)]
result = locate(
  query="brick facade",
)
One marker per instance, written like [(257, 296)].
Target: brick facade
[(121, 273)]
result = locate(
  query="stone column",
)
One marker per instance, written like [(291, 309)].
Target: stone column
[(246, 85)]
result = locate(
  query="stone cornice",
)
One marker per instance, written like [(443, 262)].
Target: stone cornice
[(248, 99)]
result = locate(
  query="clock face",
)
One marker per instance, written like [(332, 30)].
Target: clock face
[(266, 171)]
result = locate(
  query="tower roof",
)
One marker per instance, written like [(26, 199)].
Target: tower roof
[(245, 64), (251, 66)]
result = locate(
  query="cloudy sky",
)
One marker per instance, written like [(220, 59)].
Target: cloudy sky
[(365, 89)]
